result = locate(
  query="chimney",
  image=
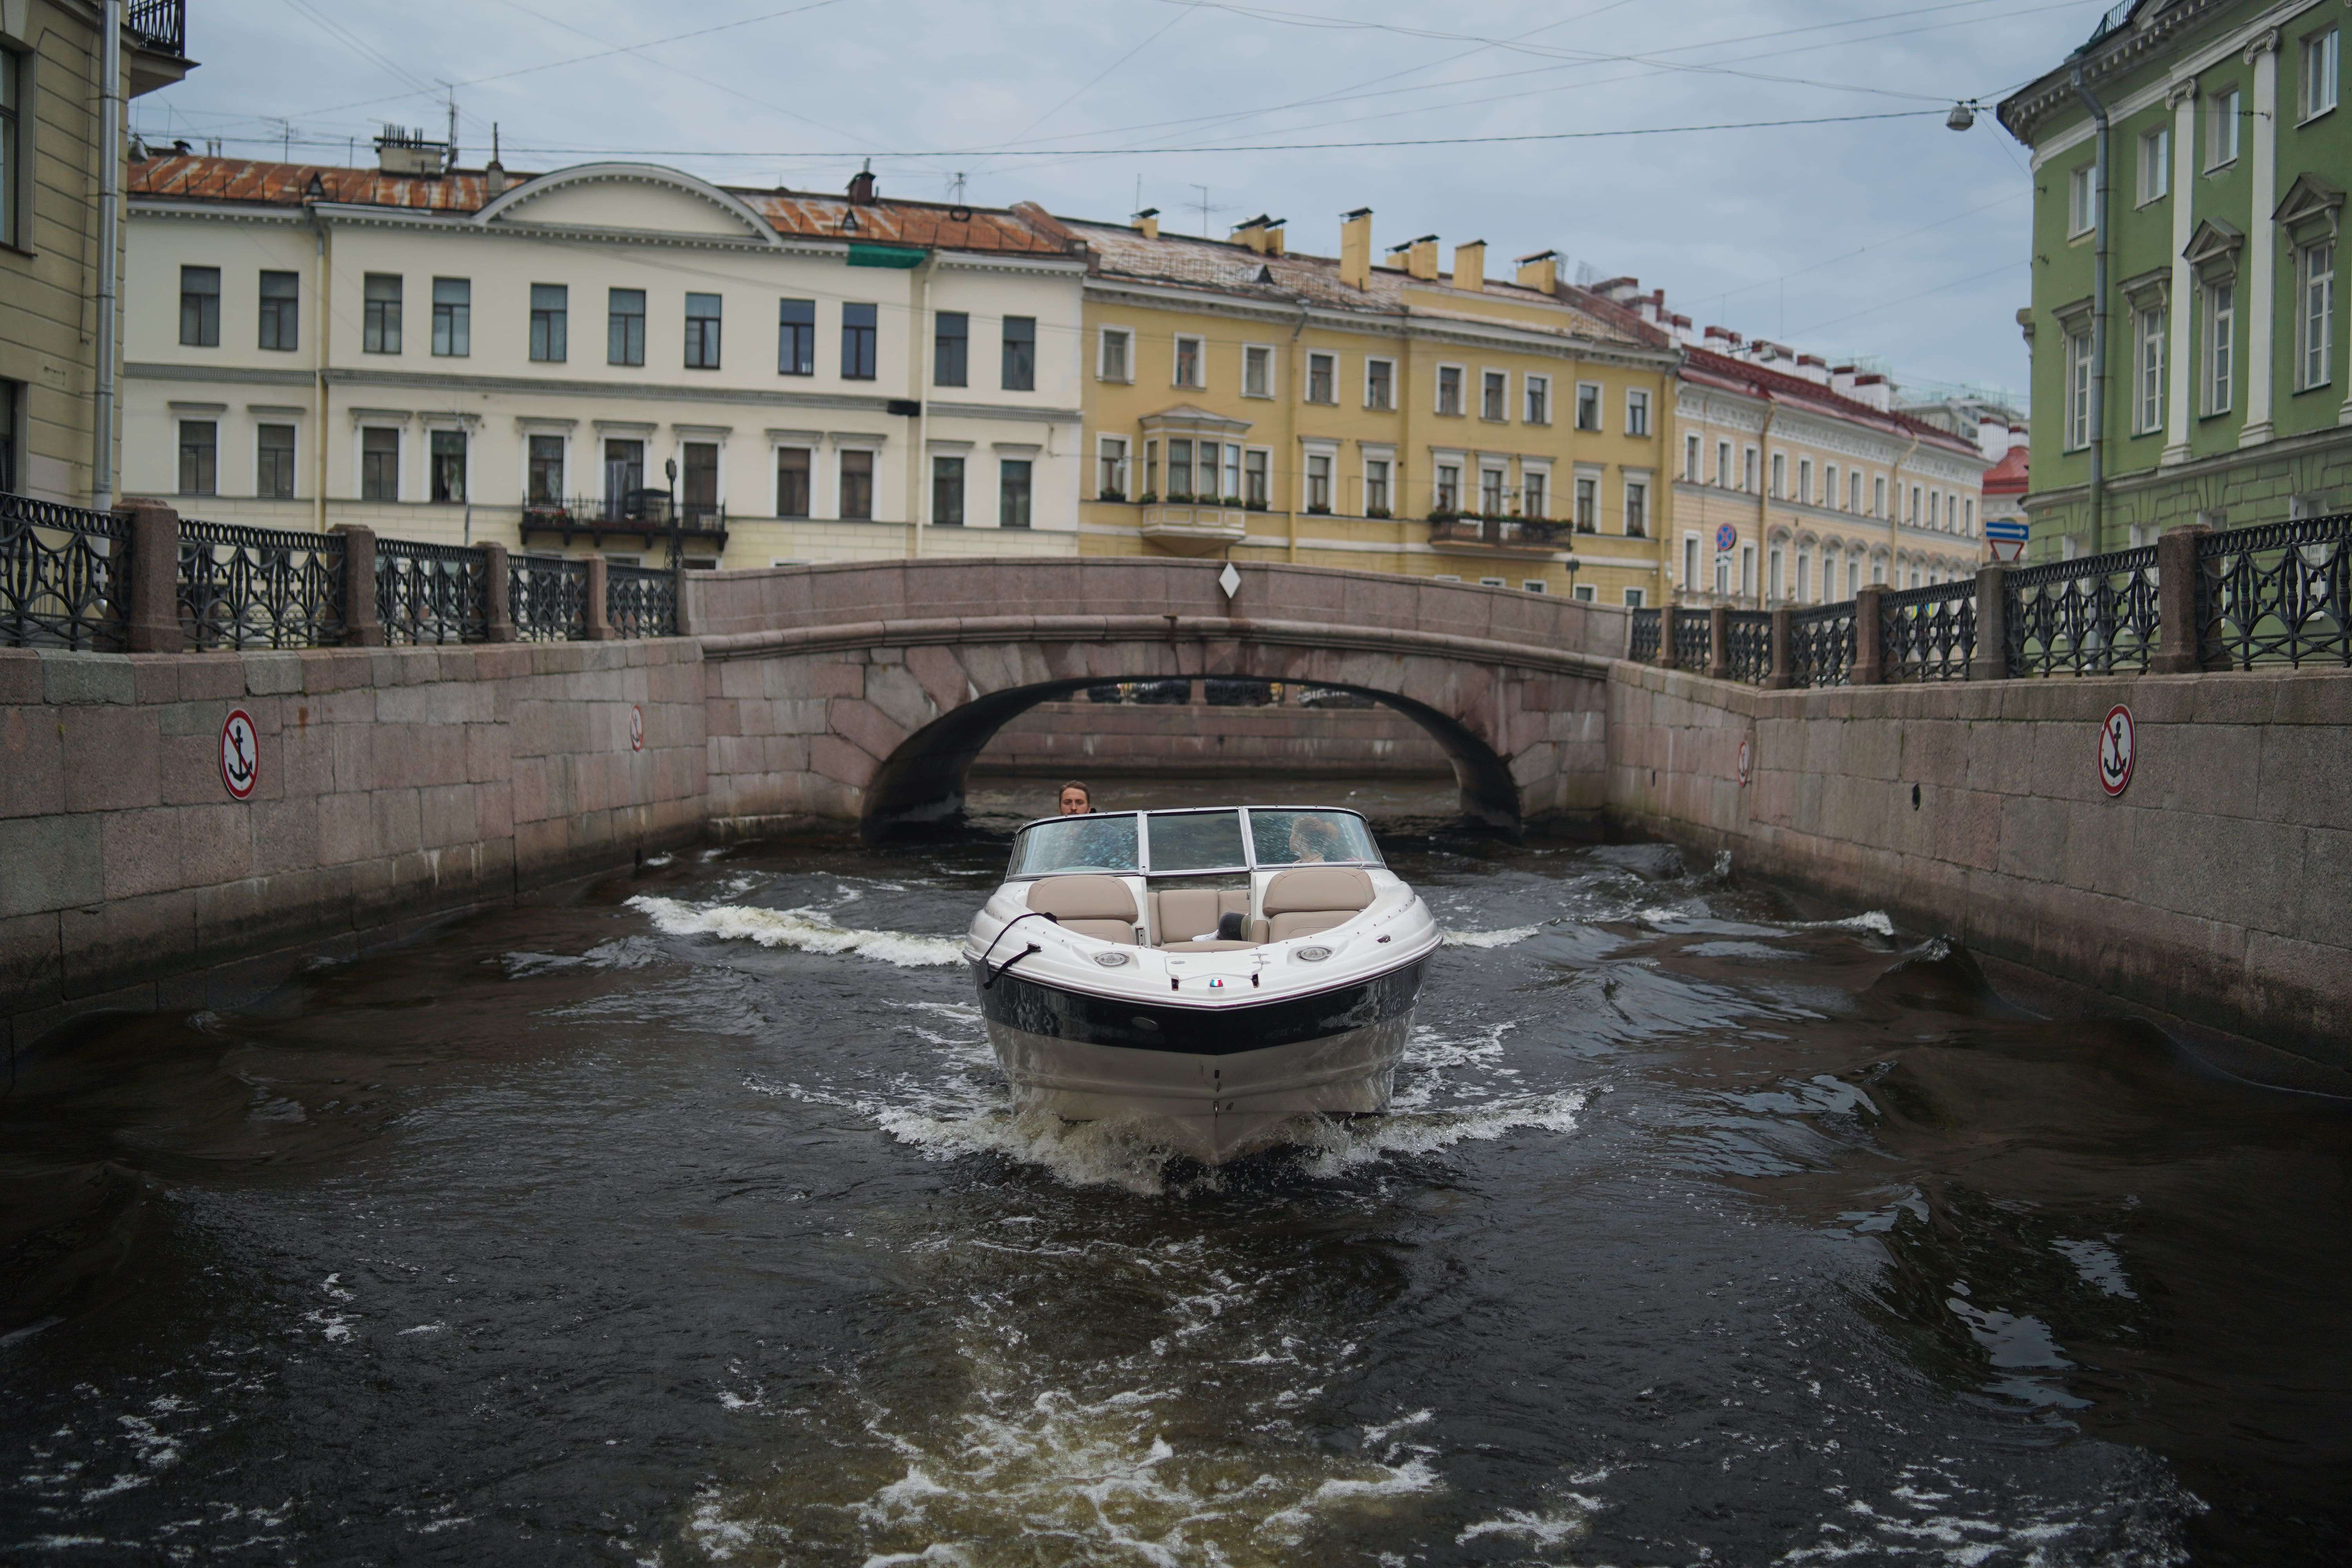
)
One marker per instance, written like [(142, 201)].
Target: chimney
[(1540, 272), (1274, 236), (861, 185), (1396, 255), (1252, 233), (1619, 291), (399, 151), (1356, 247), (1842, 380), (1722, 340), (1420, 261), (1147, 223), (1470, 265), (1993, 437), (1813, 368), (1873, 390)]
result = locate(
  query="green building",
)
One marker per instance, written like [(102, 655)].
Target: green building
[(2193, 155)]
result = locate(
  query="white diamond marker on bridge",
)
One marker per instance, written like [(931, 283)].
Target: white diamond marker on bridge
[(1229, 579)]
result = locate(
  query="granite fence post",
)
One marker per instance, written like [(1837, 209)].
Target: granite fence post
[(1666, 637), (151, 610), (1784, 651), (1869, 638), (498, 594), (1718, 642), (599, 625), (1990, 658), (362, 625), (2179, 638)]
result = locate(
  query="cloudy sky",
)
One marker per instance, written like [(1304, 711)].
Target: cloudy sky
[(1878, 233)]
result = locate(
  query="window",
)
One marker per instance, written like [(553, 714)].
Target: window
[(1584, 593), (1449, 389), (1588, 406), (1637, 414), (1916, 503), (281, 305), (273, 462), (625, 326), (2155, 164), (1533, 585), (1490, 491), (1149, 490), (1637, 508), (792, 467), (1380, 385), (1588, 503), (2315, 313), (1257, 373), (199, 457), (546, 475), (200, 307), (857, 483), (1723, 464), (12, 174), (1852, 576), (950, 347), (2080, 201), (946, 492), (1968, 517), (1690, 460), (858, 331), (1539, 400), (1180, 469), (1779, 475), (2078, 391), (1376, 486), (2321, 64), (1112, 363), (452, 317), (1805, 480), (1021, 358), (1322, 379), (1772, 579), (1257, 487), (1319, 481), (446, 450), (698, 480), (1635, 598), (1878, 496), (625, 470), (1533, 500), (2221, 344), (379, 464), (1449, 487), (1690, 562), (796, 337), (1110, 456), (1830, 485), (1853, 492), (702, 325), (1012, 493), (550, 314), (2221, 123), (1494, 394), (1747, 470), (1934, 512), (379, 328), (1492, 582), (1190, 370)]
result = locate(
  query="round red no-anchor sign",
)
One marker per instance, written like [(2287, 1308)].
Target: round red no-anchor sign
[(2118, 750), (240, 753), (1747, 759), (636, 728)]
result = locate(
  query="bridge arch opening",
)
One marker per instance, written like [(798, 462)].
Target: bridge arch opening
[(921, 784)]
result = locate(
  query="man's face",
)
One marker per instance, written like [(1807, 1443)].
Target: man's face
[(1075, 803)]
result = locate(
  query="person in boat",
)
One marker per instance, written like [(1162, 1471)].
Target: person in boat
[(1315, 838), (1076, 800)]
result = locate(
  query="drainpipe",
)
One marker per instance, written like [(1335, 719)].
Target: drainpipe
[(1894, 513), (110, 251), (324, 274), (1763, 504), (919, 504), (1291, 388), (2098, 307)]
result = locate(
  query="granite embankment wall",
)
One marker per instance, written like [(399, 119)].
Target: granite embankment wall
[(394, 783), (2217, 888), (1080, 738)]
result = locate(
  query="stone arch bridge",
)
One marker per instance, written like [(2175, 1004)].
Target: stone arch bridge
[(862, 693)]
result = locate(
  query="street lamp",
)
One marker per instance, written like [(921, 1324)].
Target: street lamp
[(676, 544), (1572, 564)]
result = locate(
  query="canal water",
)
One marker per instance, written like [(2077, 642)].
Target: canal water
[(679, 1217)]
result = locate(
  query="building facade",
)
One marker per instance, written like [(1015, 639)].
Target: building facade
[(458, 356), (1247, 401), (2210, 385), (52, 168)]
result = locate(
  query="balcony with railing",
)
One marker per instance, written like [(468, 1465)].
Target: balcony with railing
[(1519, 536), (158, 25), (642, 516)]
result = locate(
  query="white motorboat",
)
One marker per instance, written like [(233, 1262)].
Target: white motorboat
[(1212, 976)]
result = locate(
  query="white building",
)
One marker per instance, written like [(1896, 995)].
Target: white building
[(451, 356)]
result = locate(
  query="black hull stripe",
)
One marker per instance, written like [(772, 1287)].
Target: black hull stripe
[(1021, 1004)]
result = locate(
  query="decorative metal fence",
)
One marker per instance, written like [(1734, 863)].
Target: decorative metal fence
[(1928, 634), (1693, 641), (1821, 646), (431, 592), (259, 587), (2092, 616), (2277, 594), (640, 602), (62, 576), (1644, 647), (1747, 645), (548, 596)]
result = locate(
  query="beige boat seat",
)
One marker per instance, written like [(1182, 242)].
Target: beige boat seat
[(1098, 907), (1309, 898), (1182, 914)]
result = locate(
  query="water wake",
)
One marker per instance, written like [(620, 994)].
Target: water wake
[(1505, 937), (808, 929)]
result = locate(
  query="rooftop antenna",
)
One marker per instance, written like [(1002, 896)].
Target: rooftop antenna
[(450, 159), (955, 189), (1204, 210)]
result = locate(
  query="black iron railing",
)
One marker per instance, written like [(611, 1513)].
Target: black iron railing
[(159, 23), (62, 576), (2277, 594), (548, 597), (1693, 641), (1510, 532), (1747, 645), (1645, 646), (259, 587), (431, 592), (1927, 634), (640, 602), (2092, 616), (1821, 646)]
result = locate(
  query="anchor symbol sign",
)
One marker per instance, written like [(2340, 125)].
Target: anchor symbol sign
[(2117, 751), (240, 754)]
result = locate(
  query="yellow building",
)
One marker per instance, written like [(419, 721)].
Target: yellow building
[(1240, 400)]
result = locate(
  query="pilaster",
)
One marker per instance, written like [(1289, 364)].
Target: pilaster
[(2262, 239), (2180, 309)]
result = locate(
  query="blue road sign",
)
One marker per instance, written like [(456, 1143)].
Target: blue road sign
[(1725, 538)]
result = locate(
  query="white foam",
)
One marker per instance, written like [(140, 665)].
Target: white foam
[(1553, 1527), (810, 930), (1503, 938), (1340, 1146), (1875, 922)]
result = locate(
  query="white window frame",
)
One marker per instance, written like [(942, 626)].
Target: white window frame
[(1390, 406), (1690, 562), (1531, 469), (2321, 73), (1533, 585), (1779, 490), (1637, 412), (1200, 360), (1635, 598), (1366, 457), (1749, 477), (1723, 466), (1690, 456), (1531, 387), (2315, 315), (2082, 198), (1126, 339), (1267, 453), (1878, 496), (2155, 164), (1585, 594), (1258, 355), (1500, 381), (1633, 485), (1103, 445), (1329, 452), (2223, 130), (1331, 358), (1804, 481), (1437, 388), (2150, 332), (1599, 424), (2220, 300), (2078, 391)]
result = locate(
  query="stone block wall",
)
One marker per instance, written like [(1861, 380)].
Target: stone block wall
[(394, 783), (2217, 888), (1061, 738)]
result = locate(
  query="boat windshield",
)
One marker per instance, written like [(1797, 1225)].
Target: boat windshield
[(1302, 837), (1076, 843), (1196, 841)]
